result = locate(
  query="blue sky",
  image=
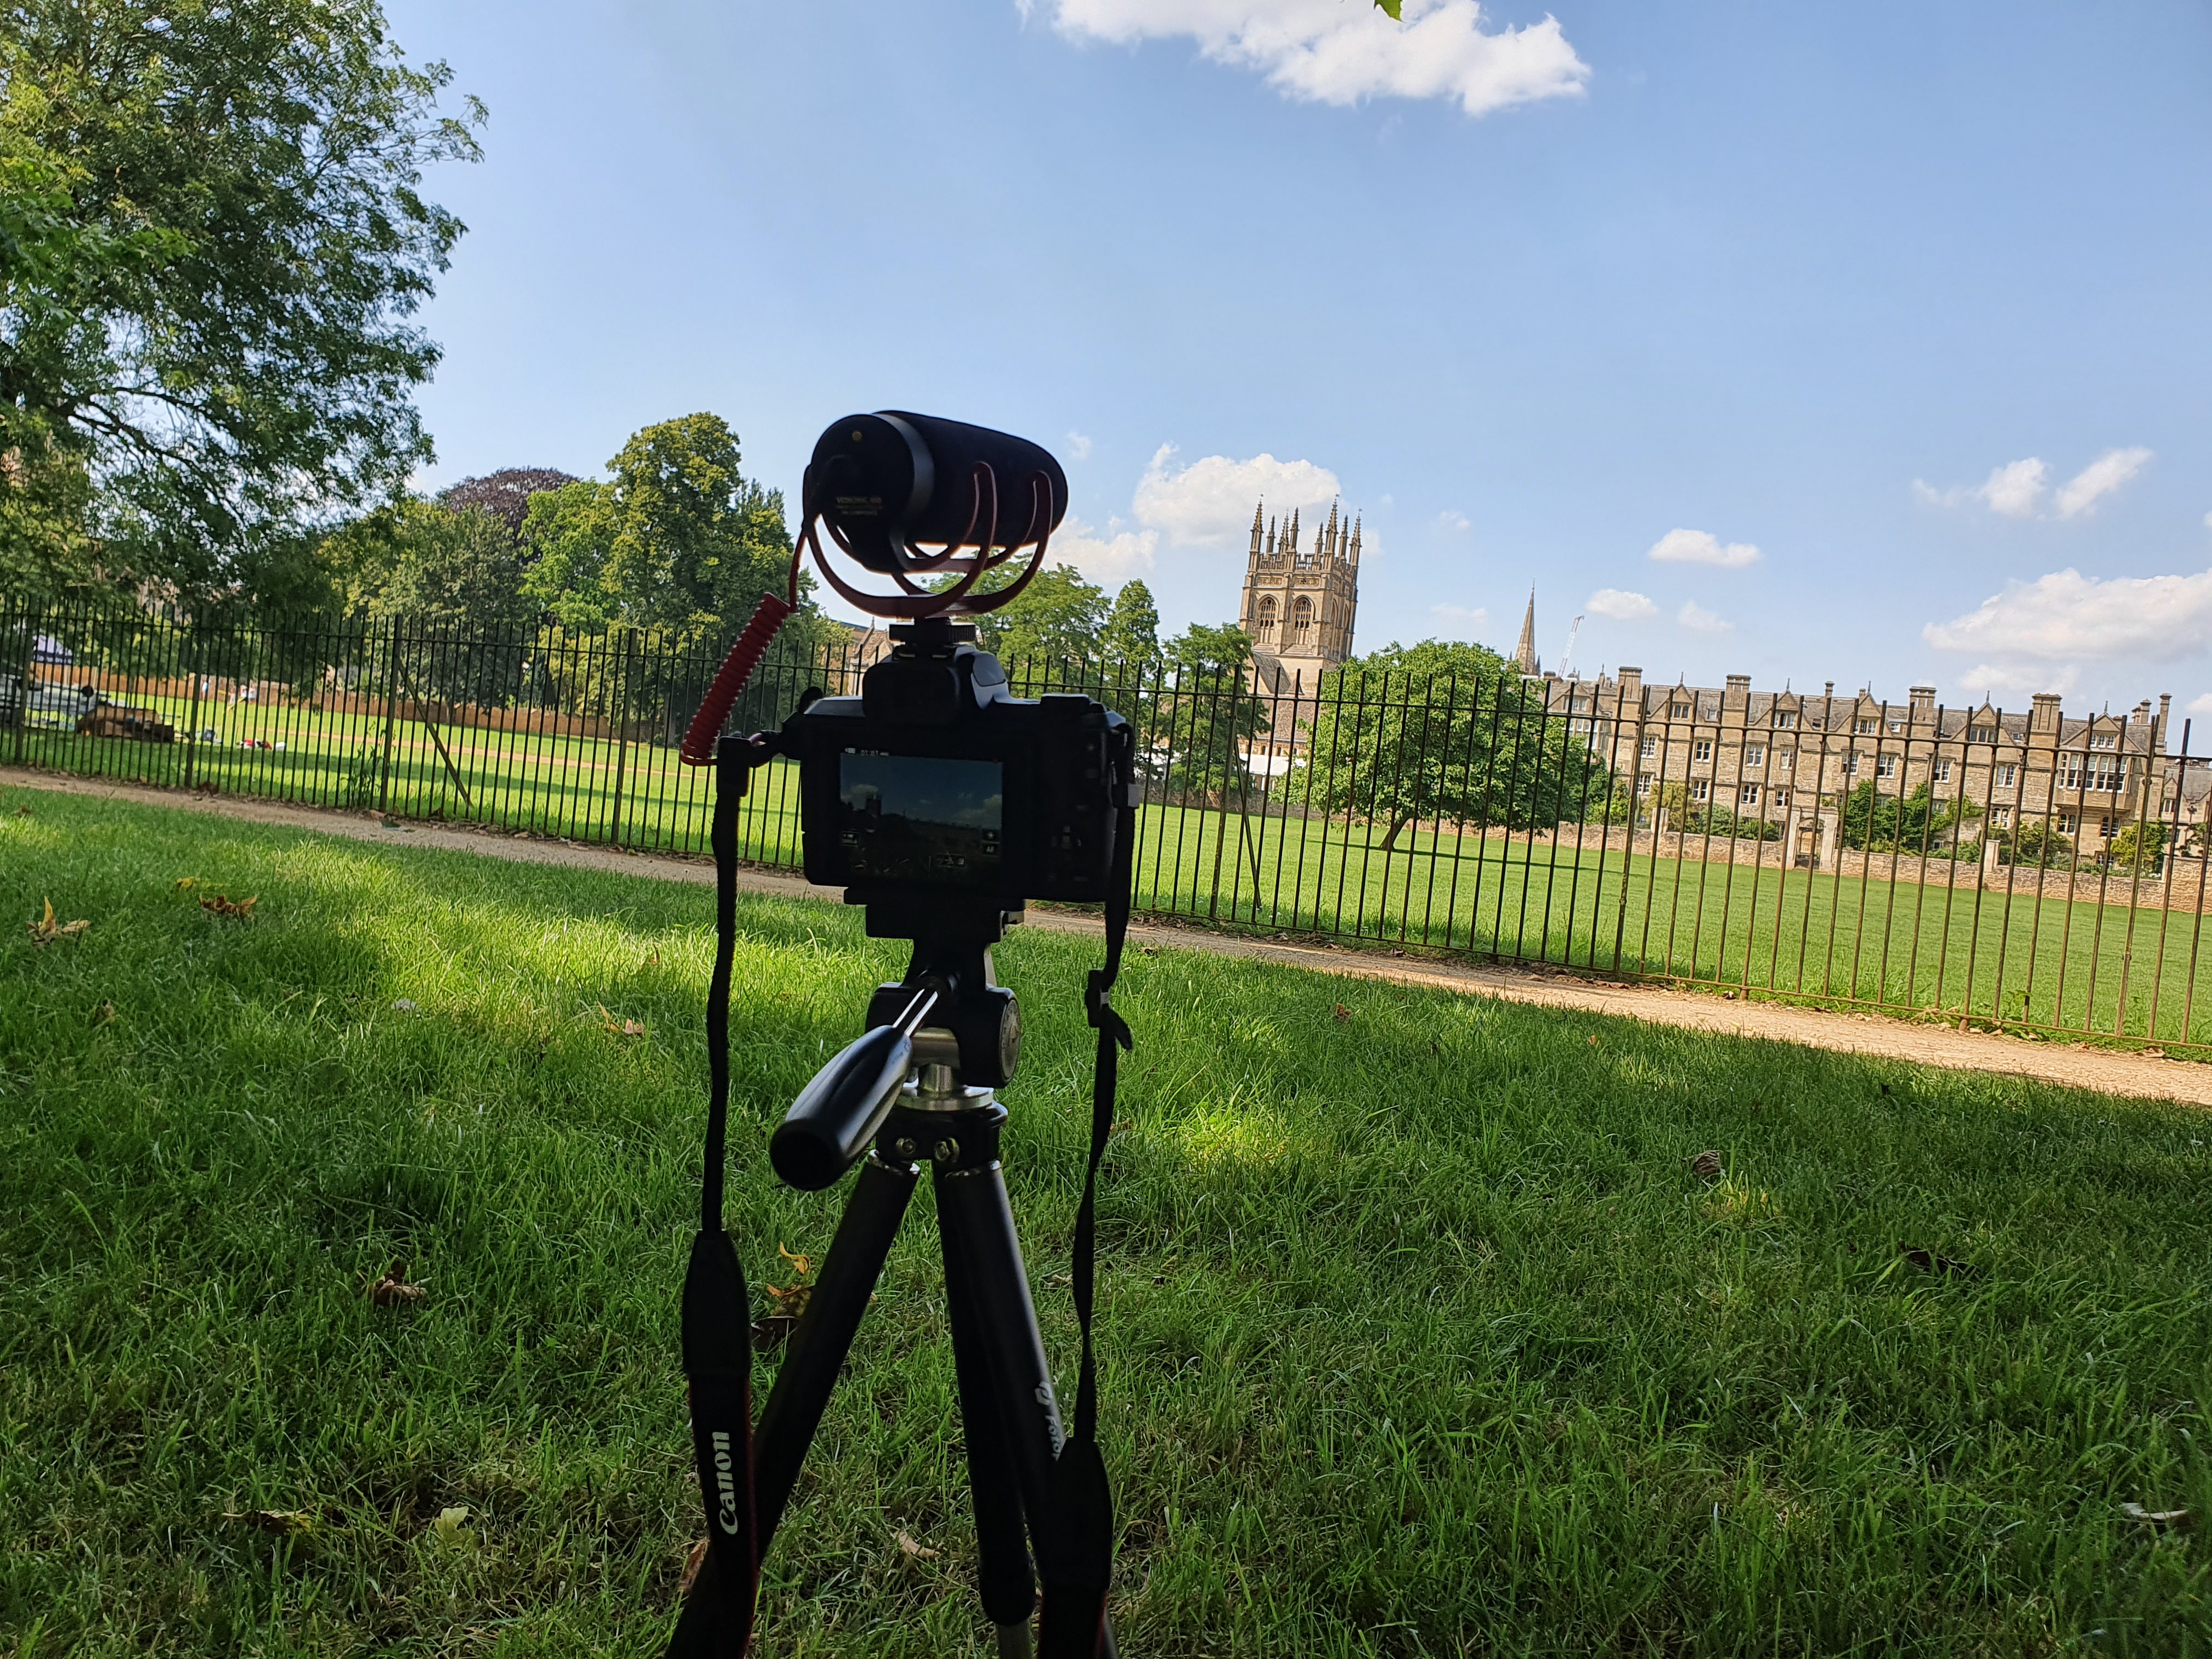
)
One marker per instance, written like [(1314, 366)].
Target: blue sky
[(1861, 344)]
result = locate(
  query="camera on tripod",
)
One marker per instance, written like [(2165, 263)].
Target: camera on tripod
[(943, 804)]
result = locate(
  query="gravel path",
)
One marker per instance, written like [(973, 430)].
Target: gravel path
[(2108, 1072)]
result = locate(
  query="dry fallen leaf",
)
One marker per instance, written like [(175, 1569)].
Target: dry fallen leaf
[(182, 882), (1343, 1013), (45, 931), (103, 1013), (1592, 1043), (2181, 1520), (692, 1562), (448, 1529), (909, 1546), (1706, 1164), (792, 1301), (284, 1522), (393, 1291), (801, 1265), (651, 960), (223, 905)]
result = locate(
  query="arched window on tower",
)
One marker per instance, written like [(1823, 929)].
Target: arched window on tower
[(1264, 619), (1301, 620)]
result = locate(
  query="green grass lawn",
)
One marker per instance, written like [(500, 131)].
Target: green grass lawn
[(1419, 1338)]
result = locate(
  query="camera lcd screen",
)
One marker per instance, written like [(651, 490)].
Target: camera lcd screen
[(912, 817)]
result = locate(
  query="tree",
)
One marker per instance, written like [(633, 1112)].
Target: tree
[(2138, 848), (2035, 845), (1131, 634), (1058, 617), (1212, 713), (215, 244), (678, 540), (1874, 821), (506, 494), (1447, 730)]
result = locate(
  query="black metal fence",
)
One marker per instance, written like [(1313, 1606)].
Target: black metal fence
[(1985, 867)]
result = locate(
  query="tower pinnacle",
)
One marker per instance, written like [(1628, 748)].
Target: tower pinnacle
[(1524, 655)]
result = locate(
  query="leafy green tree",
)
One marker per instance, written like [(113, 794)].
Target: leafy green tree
[(678, 540), (1212, 714), (1448, 730), (2035, 845), (569, 536), (214, 244), (1131, 634), (2138, 848), (1874, 821), (1058, 617)]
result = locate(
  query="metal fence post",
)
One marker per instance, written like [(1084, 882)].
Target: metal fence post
[(390, 720), (621, 732)]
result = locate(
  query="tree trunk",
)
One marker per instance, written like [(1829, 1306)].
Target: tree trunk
[(1397, 823)]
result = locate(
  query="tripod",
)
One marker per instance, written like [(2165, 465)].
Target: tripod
[(1010, 1419)]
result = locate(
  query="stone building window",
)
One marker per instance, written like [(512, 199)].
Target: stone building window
[(1678, 711), (1981, 734), (1301, 619), (1650, 747), (1703, 750), (1784, 720), (1643, 783), (2102, 740), (2005, 774), (1866, 726), (1265, 618), (2001, 815), (1781, 797), (1750, 794), (1942, 772), (1885, 766), (2067, 823), (1753, 755), (1700, 789)]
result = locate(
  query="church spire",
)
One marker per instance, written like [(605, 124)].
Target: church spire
[(1255, 528), (1524, 656)]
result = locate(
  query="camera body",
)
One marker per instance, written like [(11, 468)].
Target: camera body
[(944, 803)]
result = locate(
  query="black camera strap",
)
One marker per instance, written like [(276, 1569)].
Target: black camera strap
[(1074, 1611), (717, 1621)]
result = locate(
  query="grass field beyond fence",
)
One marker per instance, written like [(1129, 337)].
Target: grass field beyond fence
[(573, 736), (1419, 1336)]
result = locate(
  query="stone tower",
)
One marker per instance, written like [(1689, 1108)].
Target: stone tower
[(1298, 605)]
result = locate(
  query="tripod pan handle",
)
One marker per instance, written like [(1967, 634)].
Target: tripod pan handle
[(831, 1122)]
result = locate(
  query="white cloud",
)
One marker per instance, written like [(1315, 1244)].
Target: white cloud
[(2099, 478), (1108, 557), (1449, 520), (1461, 618), (1703, 547), (1695, 615), (1078, 446), (2067, 617), (1209, 503), (1997, 679), (2199, 707), (1620, 606), (1340, 52), (2016, 489)]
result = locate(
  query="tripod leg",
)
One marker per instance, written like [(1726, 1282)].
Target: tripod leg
[(825, 1333), (1003, 1574)]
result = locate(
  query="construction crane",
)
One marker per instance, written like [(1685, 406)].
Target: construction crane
[(1568, 655)]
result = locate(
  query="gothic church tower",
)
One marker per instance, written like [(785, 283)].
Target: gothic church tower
[(1298, 605)]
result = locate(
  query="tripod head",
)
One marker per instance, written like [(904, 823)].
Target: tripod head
[(947, 1018)]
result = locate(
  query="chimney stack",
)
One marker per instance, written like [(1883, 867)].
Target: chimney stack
[(1923, 699), (2043, 712)]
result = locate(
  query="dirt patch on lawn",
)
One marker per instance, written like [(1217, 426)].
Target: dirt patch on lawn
[(2109, 1071)]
